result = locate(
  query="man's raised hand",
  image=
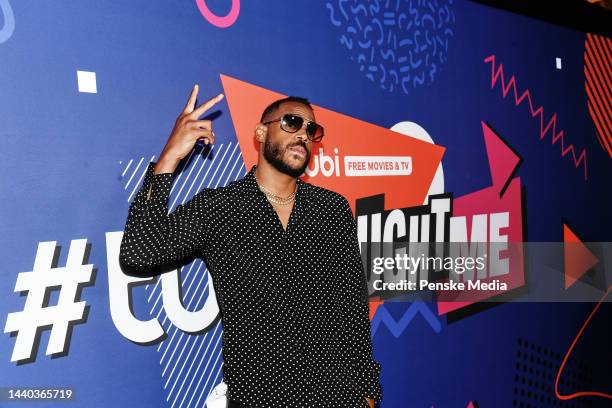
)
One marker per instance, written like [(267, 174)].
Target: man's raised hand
[(188, 129)]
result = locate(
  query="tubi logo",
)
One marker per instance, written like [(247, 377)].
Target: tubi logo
[(324, 165)]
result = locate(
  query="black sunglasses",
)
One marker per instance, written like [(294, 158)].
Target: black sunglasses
[(291, 123)]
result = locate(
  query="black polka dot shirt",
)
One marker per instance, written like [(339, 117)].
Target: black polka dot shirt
[(293, 303)]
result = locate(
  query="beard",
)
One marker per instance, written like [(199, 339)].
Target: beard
[(274, 155)]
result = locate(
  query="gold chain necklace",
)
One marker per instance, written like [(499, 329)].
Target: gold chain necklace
[(275, 198)]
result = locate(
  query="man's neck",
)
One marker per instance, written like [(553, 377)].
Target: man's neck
[(277, 182)]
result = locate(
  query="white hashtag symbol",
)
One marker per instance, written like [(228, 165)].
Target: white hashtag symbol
[(36, 314)]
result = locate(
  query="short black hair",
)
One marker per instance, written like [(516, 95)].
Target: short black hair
[(271, 108)]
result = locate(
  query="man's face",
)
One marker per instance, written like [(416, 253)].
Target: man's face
[(288, 152)]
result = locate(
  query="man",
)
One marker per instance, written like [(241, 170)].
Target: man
[(284, 258)]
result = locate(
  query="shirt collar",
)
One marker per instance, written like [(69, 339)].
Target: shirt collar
[(250, 186)]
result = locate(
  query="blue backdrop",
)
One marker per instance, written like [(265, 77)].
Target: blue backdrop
[(71, 159)]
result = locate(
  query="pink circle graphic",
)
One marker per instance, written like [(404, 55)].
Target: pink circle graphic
[(221, 22)]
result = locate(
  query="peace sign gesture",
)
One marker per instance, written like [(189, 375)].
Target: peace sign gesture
[(188, 129)]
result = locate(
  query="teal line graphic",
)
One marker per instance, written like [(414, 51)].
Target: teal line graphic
[(396, 328), (9, 21)]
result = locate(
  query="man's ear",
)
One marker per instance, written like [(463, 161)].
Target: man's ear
[(261, 131)]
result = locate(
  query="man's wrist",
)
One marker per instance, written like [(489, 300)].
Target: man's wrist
[(165, 165)]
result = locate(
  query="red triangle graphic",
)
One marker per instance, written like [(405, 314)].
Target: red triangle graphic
[(577, 257)]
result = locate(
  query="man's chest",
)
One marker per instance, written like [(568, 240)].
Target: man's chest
[(250, 240), (261, 269)]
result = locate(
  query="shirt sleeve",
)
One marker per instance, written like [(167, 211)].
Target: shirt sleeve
[(153, 238), (357, 311)]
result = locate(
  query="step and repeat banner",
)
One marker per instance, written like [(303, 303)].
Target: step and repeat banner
[(444, 121)]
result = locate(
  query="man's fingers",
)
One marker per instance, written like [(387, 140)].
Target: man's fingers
[(201, 124), (208, 136), (207, 105), (203, 133), (192, 100)]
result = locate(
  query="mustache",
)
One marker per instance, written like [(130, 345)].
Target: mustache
[(300, 144)]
